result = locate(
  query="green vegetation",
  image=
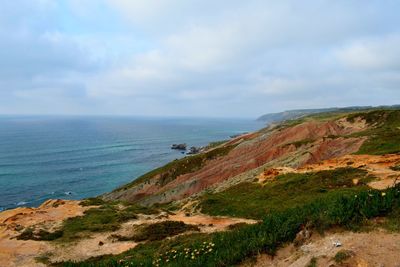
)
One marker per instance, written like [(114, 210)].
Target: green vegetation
[(392, 221), (107, 217), (93, 201), (313, 262), (342, 256), (395, 168), (158, 231), (31, 234), (216, 143), (253, 200), (103, 219), (384, 135), (278, 227), (301, 143), (178, 167)]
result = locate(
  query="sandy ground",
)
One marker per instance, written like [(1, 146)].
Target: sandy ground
[(373, 249), (15, 252), (49, 216), (379, 166)]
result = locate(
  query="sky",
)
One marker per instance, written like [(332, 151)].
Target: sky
[(196, 57)]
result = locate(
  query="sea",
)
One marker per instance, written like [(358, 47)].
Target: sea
[(75, 157)]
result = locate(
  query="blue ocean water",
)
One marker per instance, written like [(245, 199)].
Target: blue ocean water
[(44, 157)]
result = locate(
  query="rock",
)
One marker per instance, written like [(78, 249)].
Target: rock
[(194, 150), (179, 146), (302, 236), (337, 243), (101, 243)]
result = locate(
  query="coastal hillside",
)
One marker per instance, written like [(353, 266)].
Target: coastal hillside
[(298, 113), (318, 190)]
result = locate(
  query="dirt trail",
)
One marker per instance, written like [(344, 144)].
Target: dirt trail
[(378, 166), (377, 248)]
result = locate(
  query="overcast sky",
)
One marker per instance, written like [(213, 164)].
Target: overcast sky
[(230, 58)]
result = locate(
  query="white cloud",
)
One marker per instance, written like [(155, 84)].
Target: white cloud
[(199, 57), (376, 54)]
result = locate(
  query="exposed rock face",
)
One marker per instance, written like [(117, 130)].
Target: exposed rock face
[(325, 142)]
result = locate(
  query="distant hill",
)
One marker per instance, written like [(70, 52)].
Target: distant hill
[(298, 113)]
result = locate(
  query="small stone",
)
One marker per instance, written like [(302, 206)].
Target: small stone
[(337, 243), (101, 243)]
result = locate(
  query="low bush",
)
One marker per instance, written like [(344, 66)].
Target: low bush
[(93, 201), (395, 168), (40, 235), (158, 231), (342, 256)]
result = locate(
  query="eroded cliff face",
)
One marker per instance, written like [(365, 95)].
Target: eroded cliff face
[(305, 143)]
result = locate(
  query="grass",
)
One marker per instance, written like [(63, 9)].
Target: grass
[(301, 143), (277, 228), (313, 262), (395, 168), (31, 234), (93, 201), (342, 255), (252, 200), (392, 221), (172, 170), (107, 217), (216, 143), (158, 231), (384, 135)]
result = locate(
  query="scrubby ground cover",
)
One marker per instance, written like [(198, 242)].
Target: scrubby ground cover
[(105, 218), (384, 135), (158, 231), (346, 210), (252, 200), (172, 170)]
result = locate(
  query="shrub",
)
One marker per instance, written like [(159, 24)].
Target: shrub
[(93, 201), (159, 231), (313, 262), (395, 168), (40, 235), (342, 256)]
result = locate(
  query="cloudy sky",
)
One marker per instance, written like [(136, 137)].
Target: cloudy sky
[(196, 57)]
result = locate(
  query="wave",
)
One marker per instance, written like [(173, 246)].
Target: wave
[(77, 150), (31, 163)]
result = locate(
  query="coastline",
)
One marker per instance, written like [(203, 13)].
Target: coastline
[(122, 159)]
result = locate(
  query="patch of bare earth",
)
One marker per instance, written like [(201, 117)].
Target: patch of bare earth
[(377, 248), (15, 252), (378, 166)]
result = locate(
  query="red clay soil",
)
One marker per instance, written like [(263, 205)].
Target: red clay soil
[(254, 153)]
